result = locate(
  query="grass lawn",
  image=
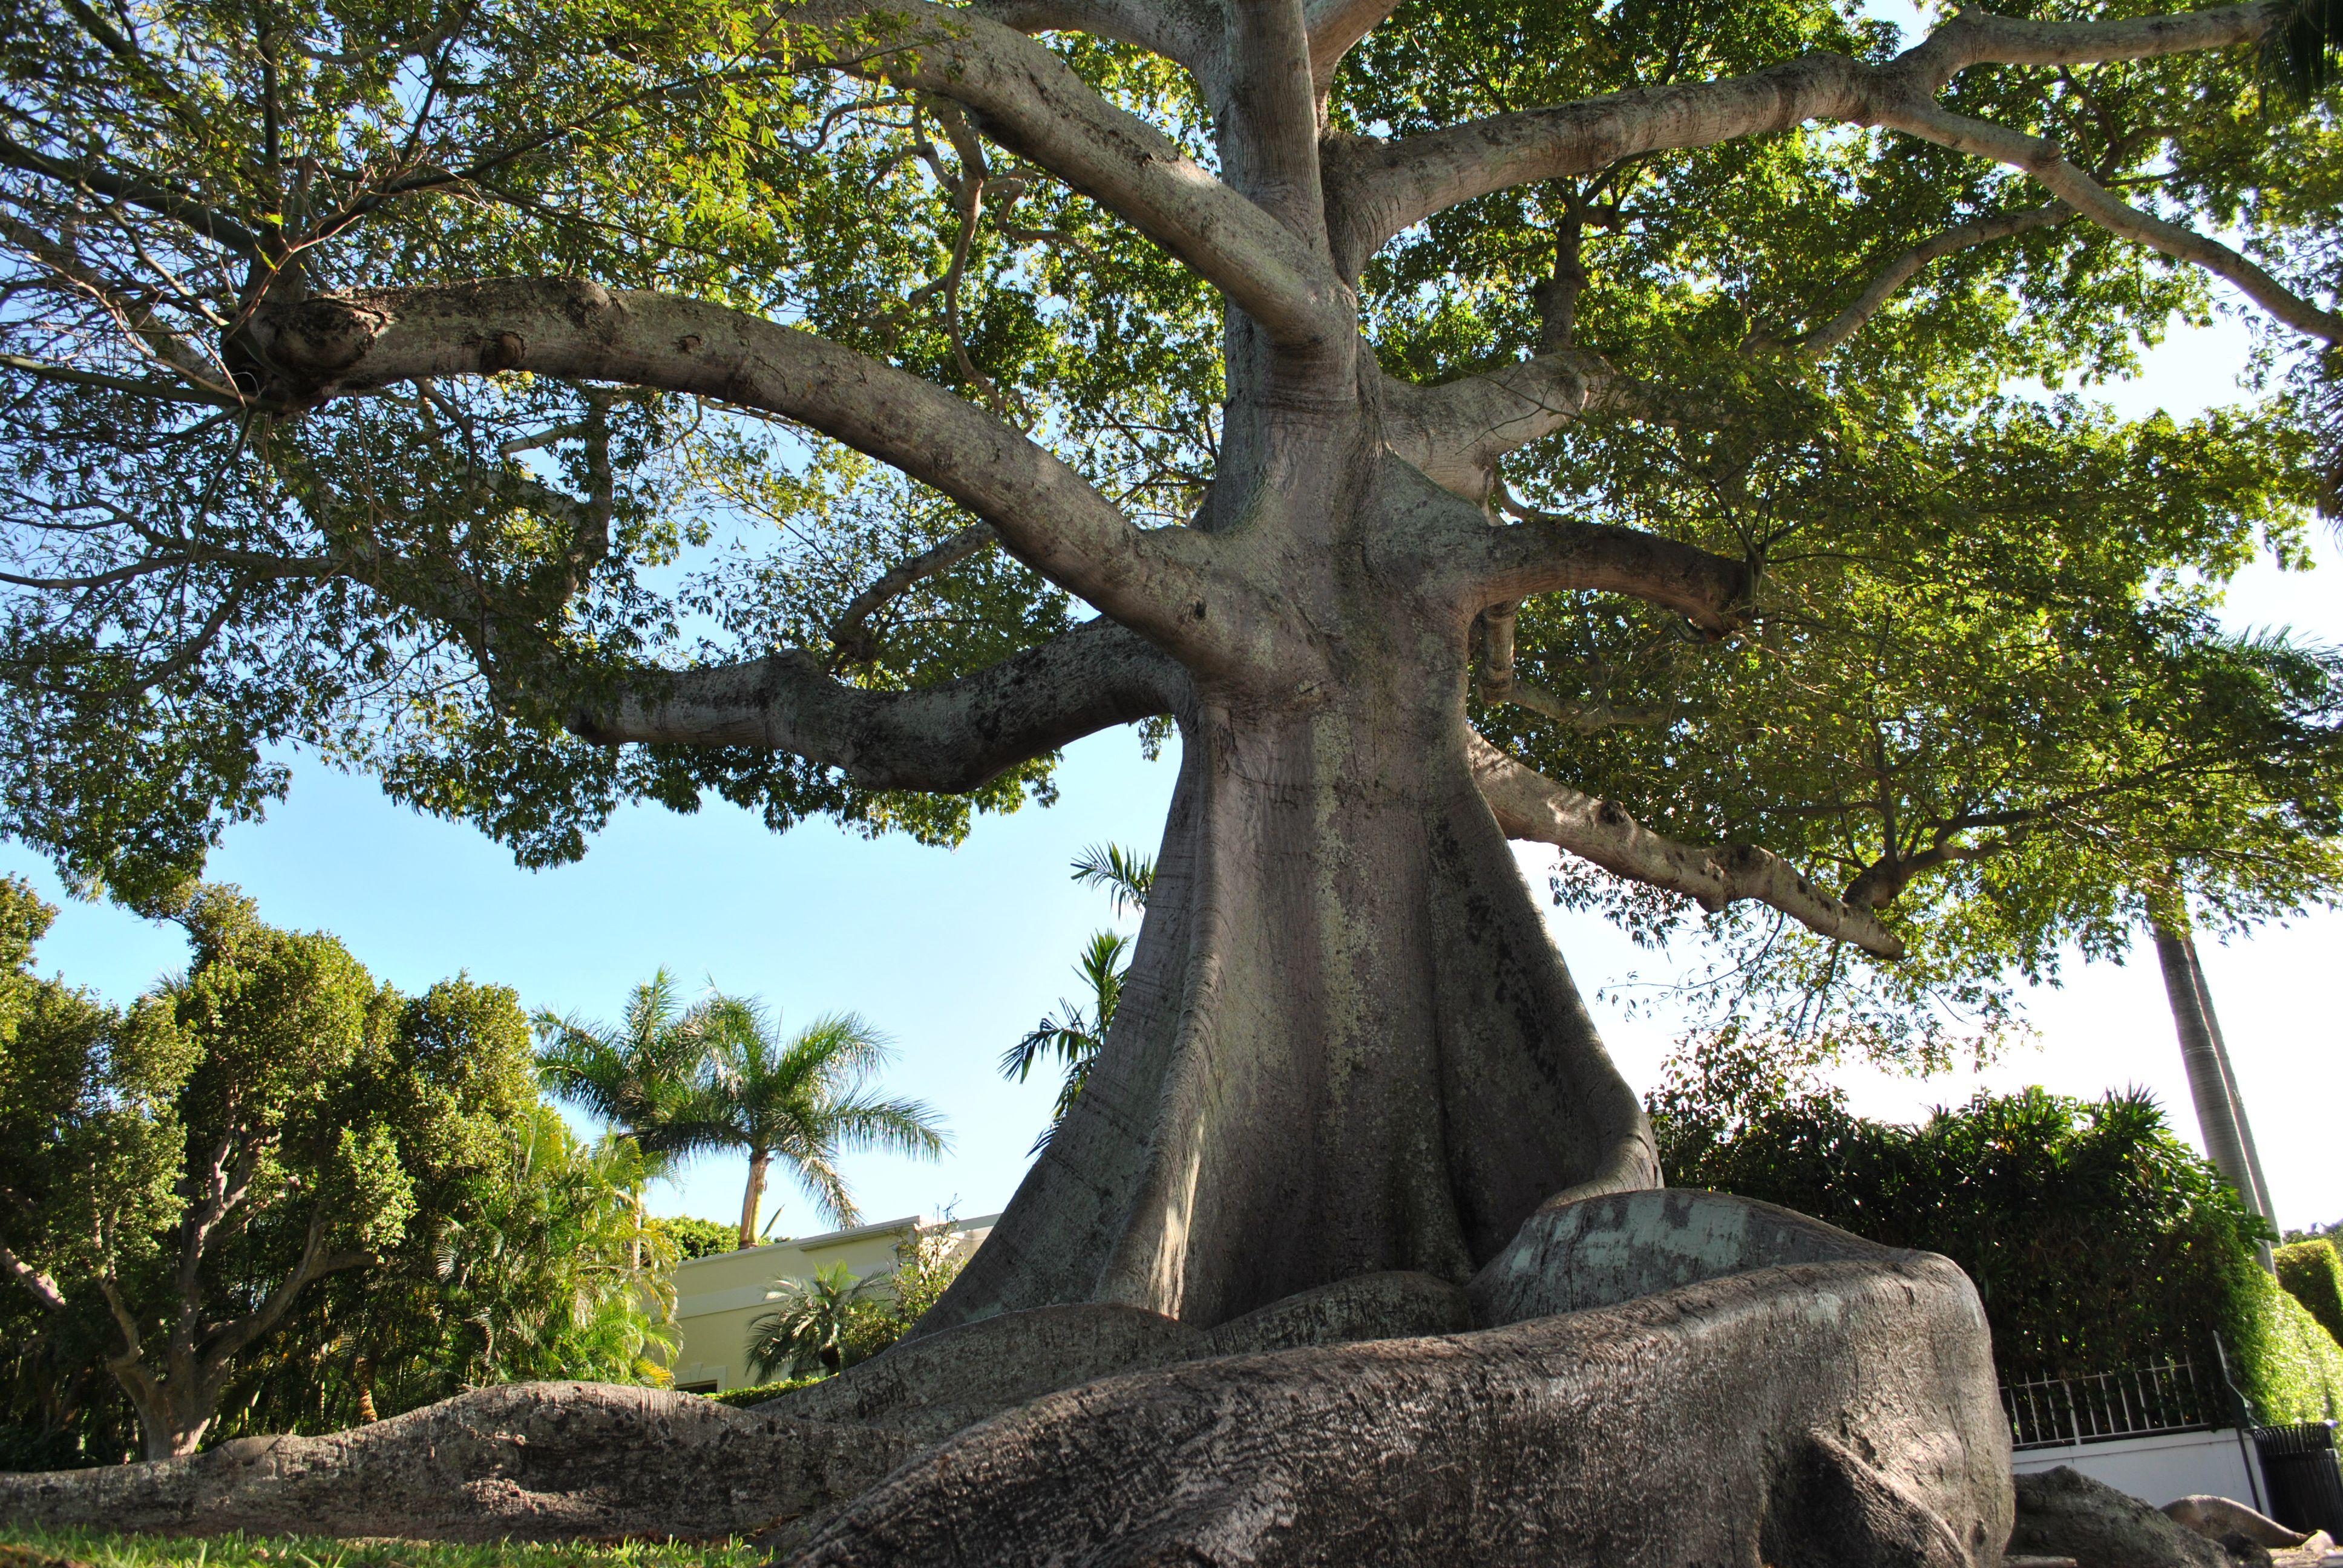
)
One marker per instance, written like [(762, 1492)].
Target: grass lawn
[(22, 1548)]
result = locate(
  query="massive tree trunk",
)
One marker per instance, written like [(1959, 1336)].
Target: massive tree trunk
[(1346, 1043)]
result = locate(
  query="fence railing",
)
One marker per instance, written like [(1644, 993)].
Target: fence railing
[(2100, 1407)]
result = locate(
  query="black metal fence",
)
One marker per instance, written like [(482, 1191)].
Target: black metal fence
[(2100, 1407)]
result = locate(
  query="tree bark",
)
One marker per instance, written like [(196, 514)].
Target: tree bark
[(2212, 1086)]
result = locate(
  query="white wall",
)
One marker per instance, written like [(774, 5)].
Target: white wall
[(719, 1296), (2158, 1469)]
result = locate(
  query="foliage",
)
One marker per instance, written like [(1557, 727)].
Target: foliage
[(1075, 1034), (637, 1077), (758, 1393), (31, 1548), (557, 1274), (1984, 682), (2290, 1367), (191, 1167), (371, 1207), (696, 1238), (2312, 1273), (2095, 1238), (834, 1321)]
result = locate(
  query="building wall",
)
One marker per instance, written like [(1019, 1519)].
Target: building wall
[(717, 1297), (2157, 1470)]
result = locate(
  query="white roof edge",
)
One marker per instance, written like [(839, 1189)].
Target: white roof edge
[(841, 1237)]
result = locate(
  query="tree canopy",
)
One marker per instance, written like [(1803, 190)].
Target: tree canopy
[(1981, 685), (180, 1174)]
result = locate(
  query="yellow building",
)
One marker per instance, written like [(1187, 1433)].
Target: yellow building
[(716, 1297)]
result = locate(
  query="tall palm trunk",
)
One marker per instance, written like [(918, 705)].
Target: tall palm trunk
[(753, 1200), (2212, 1084)]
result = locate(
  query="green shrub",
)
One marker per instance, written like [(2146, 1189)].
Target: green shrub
[(742, 1398), (2287, 1362), (2312, 1273), (698, 1238), (2097, 1238)]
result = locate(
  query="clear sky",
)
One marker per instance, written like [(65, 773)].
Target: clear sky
[(955, 953)]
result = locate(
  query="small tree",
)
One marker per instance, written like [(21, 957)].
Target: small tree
[(186, 1171), (812, 1325)]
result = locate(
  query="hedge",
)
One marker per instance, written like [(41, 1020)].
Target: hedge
[(2287, 1363), (2095, 1237), (2312, 1273), (742, 1398)]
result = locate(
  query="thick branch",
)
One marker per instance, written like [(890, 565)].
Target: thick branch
[(944, 737), (230, 1338), (42, 1288), (1046, 515), (1380, 188), (1335, 25), (1906, 266), (1269, 116), (1177, 31), (1033, 103), (2042, 160), (1528, 805), (1543, 554), (1455, 431), (1885, 878)]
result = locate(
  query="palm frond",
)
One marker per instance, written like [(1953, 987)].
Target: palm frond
[(2302, 56), (1126, 873)]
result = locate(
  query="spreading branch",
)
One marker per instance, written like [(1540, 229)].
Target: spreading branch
[(1906, 266), (1456, 430), (1032, 103), (1046, 514), (2042, 160), (1545, 554), (953, 737), (1379, 188), (1530, 805), (851, 635)]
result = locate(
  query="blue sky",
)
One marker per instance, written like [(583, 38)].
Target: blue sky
[(955, 953)]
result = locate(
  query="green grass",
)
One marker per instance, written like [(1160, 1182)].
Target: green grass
[(22, 1548)]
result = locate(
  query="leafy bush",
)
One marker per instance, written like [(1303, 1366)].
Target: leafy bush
[(833, 1321), (742, 1398), (2312, 1273), (2292, 1369), (698, 1238), (2095, 1237)]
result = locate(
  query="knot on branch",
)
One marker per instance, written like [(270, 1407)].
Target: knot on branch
[(295, 352)]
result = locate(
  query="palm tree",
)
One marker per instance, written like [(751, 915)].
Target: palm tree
[(810, 1325), (640, 1079), (1071, 1034), (800, 1100)]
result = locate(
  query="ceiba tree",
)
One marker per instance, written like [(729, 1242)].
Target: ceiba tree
[(394, 381)]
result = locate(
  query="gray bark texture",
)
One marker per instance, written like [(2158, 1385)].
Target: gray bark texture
[(1654, 1378), (2063, 1513), (531, 1462)]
